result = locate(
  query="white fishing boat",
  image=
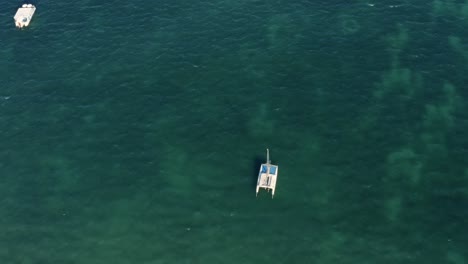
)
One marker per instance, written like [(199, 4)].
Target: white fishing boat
[(267, 176), (24, 15)]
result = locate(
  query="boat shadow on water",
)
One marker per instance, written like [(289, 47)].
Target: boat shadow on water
[(256, 162)]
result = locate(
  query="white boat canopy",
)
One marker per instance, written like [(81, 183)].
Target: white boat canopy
[(24, 15)]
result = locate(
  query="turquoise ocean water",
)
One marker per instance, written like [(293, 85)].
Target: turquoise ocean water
[(132, 132)]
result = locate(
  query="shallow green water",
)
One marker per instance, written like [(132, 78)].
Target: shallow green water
[(132, 132)]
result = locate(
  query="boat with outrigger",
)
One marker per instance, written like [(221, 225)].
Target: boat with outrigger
[(267, 176)]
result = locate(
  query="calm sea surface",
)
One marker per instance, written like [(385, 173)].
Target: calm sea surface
[(132, 132)]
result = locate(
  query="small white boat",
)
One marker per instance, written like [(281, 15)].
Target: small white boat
[(267, 176), (24, 15)]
